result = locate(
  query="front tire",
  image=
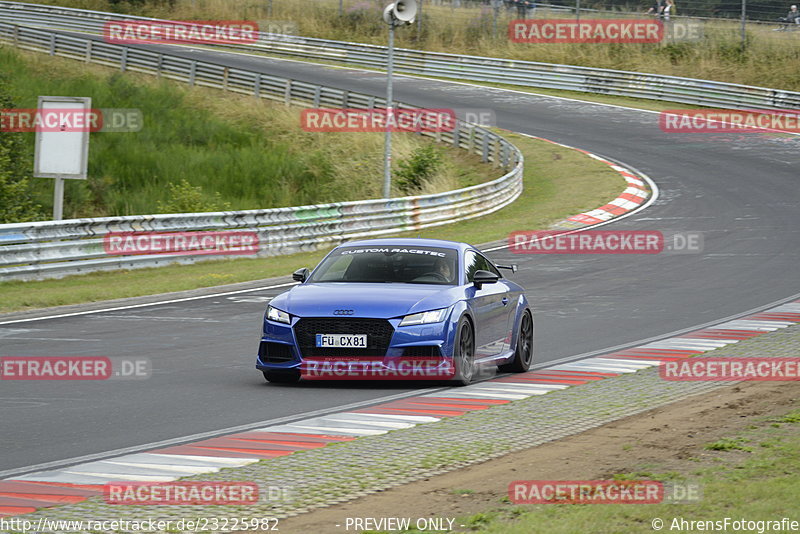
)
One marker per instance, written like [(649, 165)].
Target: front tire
[(464, 353), (288, 376), (523, 355)]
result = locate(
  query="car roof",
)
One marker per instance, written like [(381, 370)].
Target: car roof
[(408, 242)]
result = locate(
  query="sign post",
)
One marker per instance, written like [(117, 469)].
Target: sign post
[(62, 147)]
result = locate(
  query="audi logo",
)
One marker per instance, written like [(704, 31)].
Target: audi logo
[(343, 312)]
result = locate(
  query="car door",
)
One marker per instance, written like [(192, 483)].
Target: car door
[(490, 305)]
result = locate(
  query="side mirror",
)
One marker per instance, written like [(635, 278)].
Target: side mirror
[(484, 277), (300, 275)]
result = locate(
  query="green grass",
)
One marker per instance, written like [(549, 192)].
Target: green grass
[(764, 486), (558, 182), (728, 444), (238, 152)]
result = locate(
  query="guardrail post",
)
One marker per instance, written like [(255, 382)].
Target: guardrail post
[(160, 65), (52, 44), (15, 35), (504, 153), (457, 134), (287, 97), (123, 62), (485, 148), (192, 73), (317, 95), (257, 86), (371, 103), (89, 48), (471, 140), (345, 99), (225, 74)]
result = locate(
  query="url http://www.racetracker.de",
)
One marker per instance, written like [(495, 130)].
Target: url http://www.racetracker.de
[(44, 525)]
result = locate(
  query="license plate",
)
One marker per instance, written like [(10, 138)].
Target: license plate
[(342, 341)]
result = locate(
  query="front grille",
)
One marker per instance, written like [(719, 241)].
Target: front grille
[(274, 352), (422, 351), (379, 336)]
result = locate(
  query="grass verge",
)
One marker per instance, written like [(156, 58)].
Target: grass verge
[(205, 150), (758, 479), (558, 182)]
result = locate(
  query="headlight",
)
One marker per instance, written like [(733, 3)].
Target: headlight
[(433, 316), (274, 314)]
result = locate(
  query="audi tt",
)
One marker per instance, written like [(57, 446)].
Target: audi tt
[(398, 308)]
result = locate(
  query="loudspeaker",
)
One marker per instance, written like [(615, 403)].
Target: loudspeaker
[(400, 12)]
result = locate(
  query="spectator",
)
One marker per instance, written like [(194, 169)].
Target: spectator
[(792, 17), (657, 8), (523, 6), (669, 9)]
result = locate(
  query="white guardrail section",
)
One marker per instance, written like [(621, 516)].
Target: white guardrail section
[(506, 71), (58, 248)]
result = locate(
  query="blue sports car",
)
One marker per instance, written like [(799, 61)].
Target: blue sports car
[(397, 309)]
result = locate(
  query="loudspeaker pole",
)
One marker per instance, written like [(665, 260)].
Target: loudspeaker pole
[(400, 13), (387, 151)]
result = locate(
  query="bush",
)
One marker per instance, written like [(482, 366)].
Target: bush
[(16, 201), (419, 167), (186, 198)]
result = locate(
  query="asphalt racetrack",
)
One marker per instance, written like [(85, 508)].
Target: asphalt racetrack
[(741, 191)]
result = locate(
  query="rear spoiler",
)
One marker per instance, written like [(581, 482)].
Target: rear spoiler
[(512, 267)]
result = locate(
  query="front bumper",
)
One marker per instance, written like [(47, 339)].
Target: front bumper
[(408, 348)]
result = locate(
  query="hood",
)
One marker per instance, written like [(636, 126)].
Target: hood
[(381, 301)]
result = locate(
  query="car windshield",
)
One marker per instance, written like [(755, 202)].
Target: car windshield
[(389, 264)]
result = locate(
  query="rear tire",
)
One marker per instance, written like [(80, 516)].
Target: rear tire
[(289, 376), (464, 353), (523, 355)]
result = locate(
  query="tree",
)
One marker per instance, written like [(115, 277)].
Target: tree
[(16, 202)]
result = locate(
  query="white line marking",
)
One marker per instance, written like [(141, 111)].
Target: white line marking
[(379, 424), (159, 303), (484, 395), (189, 470), (218, 461), (338, 430), (409, 418)]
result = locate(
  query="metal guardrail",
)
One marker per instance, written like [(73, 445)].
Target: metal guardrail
[(484, 69), (59, 248)]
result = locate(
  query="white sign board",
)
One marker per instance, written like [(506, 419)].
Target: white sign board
[(62, 152)]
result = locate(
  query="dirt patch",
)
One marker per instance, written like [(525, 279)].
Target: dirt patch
[(671, 438)]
